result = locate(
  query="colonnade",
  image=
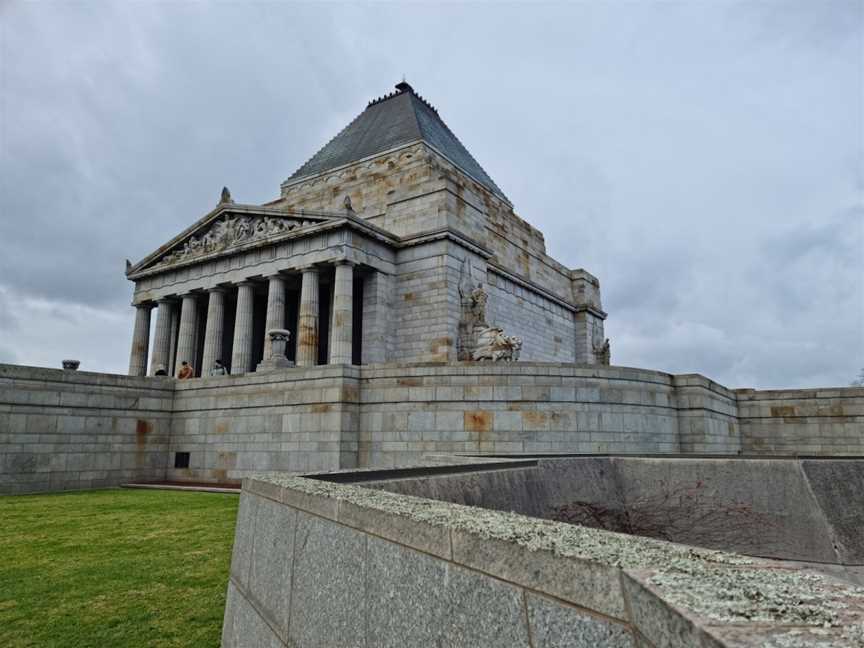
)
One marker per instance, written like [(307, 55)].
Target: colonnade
[(341, 326)]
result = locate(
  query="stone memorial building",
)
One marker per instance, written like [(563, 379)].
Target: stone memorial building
[(371, 254), (388, 305)]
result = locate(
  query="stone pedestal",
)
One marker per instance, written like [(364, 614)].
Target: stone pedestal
[(307, 338), (343, 314), (140, 341), (214, 330), (241, 356), (278, 339)]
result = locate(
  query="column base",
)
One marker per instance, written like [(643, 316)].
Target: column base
[(274, 365)]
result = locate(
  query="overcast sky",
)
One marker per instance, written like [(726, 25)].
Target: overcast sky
[(704, 159)]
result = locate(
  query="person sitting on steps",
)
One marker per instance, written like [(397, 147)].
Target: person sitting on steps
[(218, 369), (186, 371)]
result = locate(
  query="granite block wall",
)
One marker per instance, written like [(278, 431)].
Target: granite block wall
[(545, 326), (297, 420), (513, 408), (313, 572), (64, 430), (323, 564), (707, 416), (802, 421)]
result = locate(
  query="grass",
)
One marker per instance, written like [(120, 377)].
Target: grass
[(114, 568)]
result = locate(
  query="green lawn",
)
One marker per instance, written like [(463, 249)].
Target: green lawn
[(114, 568)]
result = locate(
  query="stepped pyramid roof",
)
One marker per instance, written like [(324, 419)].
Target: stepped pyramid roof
[(398, 118)]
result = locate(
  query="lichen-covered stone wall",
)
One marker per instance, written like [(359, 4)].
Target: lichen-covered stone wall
[(324, 564)]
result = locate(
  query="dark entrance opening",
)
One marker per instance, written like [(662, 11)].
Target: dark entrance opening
[(181, 459)]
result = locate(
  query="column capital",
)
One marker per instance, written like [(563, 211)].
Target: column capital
[(275, 275), (309, 267), (344, 261), (144, 304), (245, 282), (217, 289), (164, 300)]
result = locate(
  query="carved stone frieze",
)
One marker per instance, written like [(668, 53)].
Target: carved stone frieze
[(230, 231)]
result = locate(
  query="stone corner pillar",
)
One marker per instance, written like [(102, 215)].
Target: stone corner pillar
[(307, 320), (140, 340), (241, 355), (214, 330), (162, 337), (342, 328)]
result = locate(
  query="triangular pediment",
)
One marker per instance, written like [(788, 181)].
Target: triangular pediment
[(227, 228)]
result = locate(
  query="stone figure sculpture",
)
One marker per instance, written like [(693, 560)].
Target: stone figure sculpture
[(493, 344), (477, 339), (347, 204), (226, 196)]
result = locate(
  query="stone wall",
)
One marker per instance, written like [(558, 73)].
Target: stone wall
[(791, 509), (324, 564), (545, 326), (513, 408), (295, 421), (707, 416), (74, 429), (802, 421), (62, 430)]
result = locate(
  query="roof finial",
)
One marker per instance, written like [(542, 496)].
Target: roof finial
[(226, 196), (404, 86)]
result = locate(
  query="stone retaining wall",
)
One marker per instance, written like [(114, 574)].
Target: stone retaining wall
[(75, 429), (802, 421), (323, 564), (62, 430)]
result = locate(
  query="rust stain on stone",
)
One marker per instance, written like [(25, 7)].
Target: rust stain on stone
[(320, 408), (784, 410), (409, 382), (408, 296), (142, 428), (532, 418), (478, 421), (350, 393), (227, 460), (221, 427), (436, 343)]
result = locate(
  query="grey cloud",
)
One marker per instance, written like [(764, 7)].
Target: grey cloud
[(702, 159)]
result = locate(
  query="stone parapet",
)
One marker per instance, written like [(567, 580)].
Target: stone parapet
[(62, 430), (338, 416), (319, 563)]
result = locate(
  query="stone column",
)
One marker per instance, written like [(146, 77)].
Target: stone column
[(275, 309), (307, 319), (241, 356), (214, 330), (162, 337), (140, 340), (343, 313), (186, 336)]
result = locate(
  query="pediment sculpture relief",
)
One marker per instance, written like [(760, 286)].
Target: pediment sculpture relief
[(231, 231)]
